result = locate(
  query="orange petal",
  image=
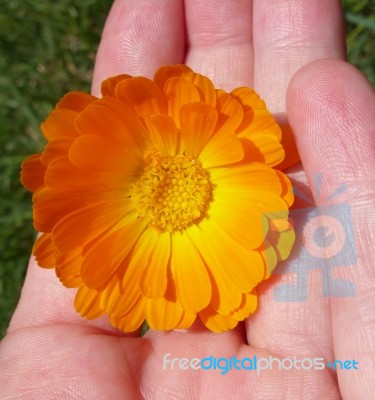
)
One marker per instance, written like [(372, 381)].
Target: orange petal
[(162, 314), (114, 121), (216, 322), (179, 92), (87, 303), (198, 122), (221, 149), (290, 147), (63, 176), (117, 301), (163, 134), (32, 172), (143, 95), (153, 279), (68, 266), (206, 88), (248, 306), (85, 224), (255, 176), (220, 252), (224, 297), (60, 124), (133, 320), (76, 101), (244, 217), (193, 284), (108, 86), (105, 256), (248, 98), (282, 241), (230, 111), (269, 256), (261, 123), (169, 71), (287, 188), (55, 149), (44, 251), (186, 321), (95, 153), (263, 148)]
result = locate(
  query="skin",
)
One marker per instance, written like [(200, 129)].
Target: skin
[(292, 54)]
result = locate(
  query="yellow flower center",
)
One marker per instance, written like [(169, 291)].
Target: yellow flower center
[(172, 193)]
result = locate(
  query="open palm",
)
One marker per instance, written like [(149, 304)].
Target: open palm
[(51, 353)]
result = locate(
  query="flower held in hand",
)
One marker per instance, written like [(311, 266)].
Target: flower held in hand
[(155, 201)]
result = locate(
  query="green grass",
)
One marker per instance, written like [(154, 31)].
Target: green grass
[(47, 49)]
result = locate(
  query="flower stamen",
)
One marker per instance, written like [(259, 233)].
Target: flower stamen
[(172, 192)]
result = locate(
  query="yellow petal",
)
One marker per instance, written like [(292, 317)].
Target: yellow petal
[(243, 268), (248, 98), (224, 297), (133, 320), (248, 306), (193, 284), (162, 314), (255, 176), (222, 148), (264, 149), (186, 321), (270, 258), (153, 279), (242, 218), (118, 301), (282, 241), (287, 189), (87, 303), (290, 147), (216, 322)]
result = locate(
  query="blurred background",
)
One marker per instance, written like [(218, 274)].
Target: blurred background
[(47, 49)]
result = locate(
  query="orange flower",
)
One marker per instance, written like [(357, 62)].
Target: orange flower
[(159, 201)]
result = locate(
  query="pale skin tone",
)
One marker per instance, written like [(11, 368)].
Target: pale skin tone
[(51, 353)]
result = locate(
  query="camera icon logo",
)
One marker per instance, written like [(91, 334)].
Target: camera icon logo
[(324, 240)]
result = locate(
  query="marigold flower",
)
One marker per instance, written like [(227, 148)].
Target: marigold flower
[(160, 201)]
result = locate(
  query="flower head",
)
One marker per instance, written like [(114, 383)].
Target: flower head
[(160, 201)]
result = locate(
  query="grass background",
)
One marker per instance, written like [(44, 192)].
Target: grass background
[(47, 49)]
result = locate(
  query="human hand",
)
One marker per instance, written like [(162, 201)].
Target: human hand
[(50, 352)]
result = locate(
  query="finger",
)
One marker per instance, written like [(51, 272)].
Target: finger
[(140, 36), (45, 301), (219, 35), (287, 35), (335, 135)]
